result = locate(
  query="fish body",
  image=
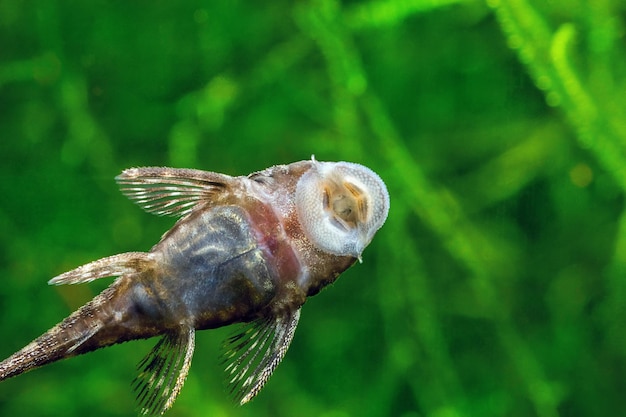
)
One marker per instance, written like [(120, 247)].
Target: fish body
[(245, 250)]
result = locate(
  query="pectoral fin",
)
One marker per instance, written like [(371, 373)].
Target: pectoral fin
[(252, 354), (163, 371)]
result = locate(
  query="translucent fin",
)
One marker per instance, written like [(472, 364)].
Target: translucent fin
[(95, 328), (163, 371), (252, 354), (113, 266), (171, 191)]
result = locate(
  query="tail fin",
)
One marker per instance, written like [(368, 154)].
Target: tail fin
[(77, 333), (60, 342)]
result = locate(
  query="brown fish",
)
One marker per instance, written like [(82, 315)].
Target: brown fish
[(245, 250)]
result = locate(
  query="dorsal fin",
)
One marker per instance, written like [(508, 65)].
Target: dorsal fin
[(171, 191)]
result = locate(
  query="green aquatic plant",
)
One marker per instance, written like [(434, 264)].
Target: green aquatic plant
[(497, 285)]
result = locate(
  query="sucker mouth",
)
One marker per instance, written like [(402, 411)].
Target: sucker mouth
[(341, 205)]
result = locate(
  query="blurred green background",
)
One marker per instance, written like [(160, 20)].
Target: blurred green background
[(497, 286)]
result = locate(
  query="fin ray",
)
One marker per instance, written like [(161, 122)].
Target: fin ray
[(112, 266), (252, 354), (163, 371), (85, 336), (170, 191)]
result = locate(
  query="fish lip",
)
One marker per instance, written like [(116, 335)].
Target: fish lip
[(323, 228)]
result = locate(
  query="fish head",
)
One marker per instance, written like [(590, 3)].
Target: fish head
[(341, 206)]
